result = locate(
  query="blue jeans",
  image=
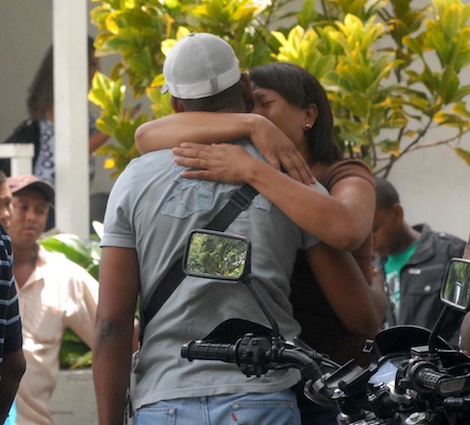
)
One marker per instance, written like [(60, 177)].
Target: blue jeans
[(235, 409)]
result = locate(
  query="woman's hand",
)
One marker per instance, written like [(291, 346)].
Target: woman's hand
[(280, 151), (221, 162), (231, 163)]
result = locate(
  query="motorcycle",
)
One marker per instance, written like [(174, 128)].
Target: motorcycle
[(414, 377)]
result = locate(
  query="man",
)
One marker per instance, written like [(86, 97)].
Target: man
[(12, 362), (54, 294), (150, 212), (413, 260), (6, 208)]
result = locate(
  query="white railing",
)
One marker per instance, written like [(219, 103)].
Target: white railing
[(21, 155)]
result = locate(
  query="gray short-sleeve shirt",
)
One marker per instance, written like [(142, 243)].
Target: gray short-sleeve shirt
[(152, 209)]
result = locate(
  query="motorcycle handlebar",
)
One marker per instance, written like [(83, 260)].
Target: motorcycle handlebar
[(197, 350), (254, 355), (428, 378), (425, 377), (311, 369)]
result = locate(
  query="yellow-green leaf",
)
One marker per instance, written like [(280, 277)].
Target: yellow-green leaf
[(464, 154)]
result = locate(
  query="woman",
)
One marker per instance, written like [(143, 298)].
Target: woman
[(296, 103), (40, 105)]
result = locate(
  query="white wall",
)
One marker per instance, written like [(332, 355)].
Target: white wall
[(434, 187), (26, 33), (433, 184)]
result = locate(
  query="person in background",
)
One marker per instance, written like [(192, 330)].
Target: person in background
[(413, 260), (40, 105), (54, 294), (464, 342), (6, 208), (12, 361), (39, 128), (464, 339)]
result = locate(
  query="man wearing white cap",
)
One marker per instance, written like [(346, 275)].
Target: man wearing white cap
[(150, 212)]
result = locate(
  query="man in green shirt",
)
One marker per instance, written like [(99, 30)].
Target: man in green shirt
[(413, 260)]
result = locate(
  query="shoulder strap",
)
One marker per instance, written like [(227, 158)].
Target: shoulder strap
[(239, 201)]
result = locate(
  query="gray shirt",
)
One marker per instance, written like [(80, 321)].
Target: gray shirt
[(152, 209)]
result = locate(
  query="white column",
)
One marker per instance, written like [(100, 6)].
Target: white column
[(71, 116)]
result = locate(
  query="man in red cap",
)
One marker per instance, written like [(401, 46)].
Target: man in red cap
[(54, 294)]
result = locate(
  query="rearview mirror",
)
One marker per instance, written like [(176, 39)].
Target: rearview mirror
[(216, 255), (455, 290)]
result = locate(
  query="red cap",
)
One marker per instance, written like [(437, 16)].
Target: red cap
[(18, 183)]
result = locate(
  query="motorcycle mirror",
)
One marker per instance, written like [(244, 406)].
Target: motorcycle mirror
[(223, 256), (217, 255), (455, 290)]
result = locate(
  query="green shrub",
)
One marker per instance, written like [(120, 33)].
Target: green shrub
[(392, 71)]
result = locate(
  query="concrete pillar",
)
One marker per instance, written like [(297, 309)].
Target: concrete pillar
[(71, 116)]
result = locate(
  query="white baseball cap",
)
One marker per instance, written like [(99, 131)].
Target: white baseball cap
[(200, 65)]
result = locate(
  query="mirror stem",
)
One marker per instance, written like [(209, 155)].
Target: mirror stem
[(247, 281), (435, 330)]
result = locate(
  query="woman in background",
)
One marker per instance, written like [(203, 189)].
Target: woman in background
[(40, 105)]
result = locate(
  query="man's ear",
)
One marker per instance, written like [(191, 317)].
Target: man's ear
[(398, 212), (246, 91), (176, 104)]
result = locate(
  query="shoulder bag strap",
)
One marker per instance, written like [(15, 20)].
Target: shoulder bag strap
[(239, 201)]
